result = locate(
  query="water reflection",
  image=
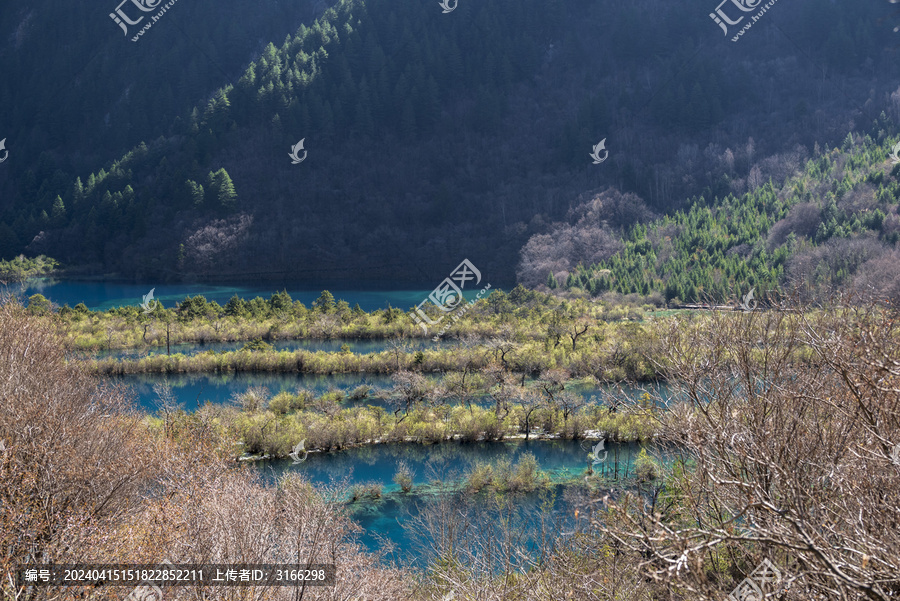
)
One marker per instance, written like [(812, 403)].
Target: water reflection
[(193, 390), (357, 346)]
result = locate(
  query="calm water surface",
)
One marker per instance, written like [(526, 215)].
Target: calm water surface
[(437, 469), (102, 295), (357, 346), (193, 390)]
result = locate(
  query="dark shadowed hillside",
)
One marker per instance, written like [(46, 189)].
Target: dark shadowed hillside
[(432, 137)]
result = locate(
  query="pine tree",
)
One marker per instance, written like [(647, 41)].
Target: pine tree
[(222, 190), (195, 193), (58, 213), (325, 303)]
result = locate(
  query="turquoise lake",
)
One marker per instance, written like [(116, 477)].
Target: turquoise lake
[(335, 345), (439, 468), (103, 295), (192, 390)]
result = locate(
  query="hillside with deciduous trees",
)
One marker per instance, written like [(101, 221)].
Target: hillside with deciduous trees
[(831, 225)]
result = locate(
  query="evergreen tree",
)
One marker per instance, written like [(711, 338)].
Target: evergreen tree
[(325, 303), (58, 213)]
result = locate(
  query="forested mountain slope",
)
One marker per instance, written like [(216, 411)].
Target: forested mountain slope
[(76, 91), (432, 137), (833, 226)]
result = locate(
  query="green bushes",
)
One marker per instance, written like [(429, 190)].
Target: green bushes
[(369, 490), (646, 468), (404, 477), (481, 476), (284, 402), (22, 268), (360, 392), (531, 338), (257, 344), (504, 477), (269, 425)]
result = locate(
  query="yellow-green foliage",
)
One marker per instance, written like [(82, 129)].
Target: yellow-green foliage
[(504, 476), (645, 467), (539, 330), (273, 427), (404, 477)]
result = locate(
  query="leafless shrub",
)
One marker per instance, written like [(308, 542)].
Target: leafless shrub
[(76, 456), (801, 220), (410, 389), (829, 268), (82, 481), (498, 548), (590, 239), (214, 242), (787, 420), (251, 400), (879, 279)]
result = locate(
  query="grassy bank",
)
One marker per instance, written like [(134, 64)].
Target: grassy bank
[(272, 426), (626, 354), (523, 313)]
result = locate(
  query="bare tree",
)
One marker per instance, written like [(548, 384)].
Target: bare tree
[(409, 390), (789, 422), (168, 404), (82, 481), (502, 345), (532, 401), (503, 391), (399, 346), (578, 328), (75, 457)]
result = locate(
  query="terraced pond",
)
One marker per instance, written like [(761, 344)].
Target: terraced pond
[(192, 390)]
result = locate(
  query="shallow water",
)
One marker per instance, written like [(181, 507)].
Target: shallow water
[(437, 470), (193, 390)]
